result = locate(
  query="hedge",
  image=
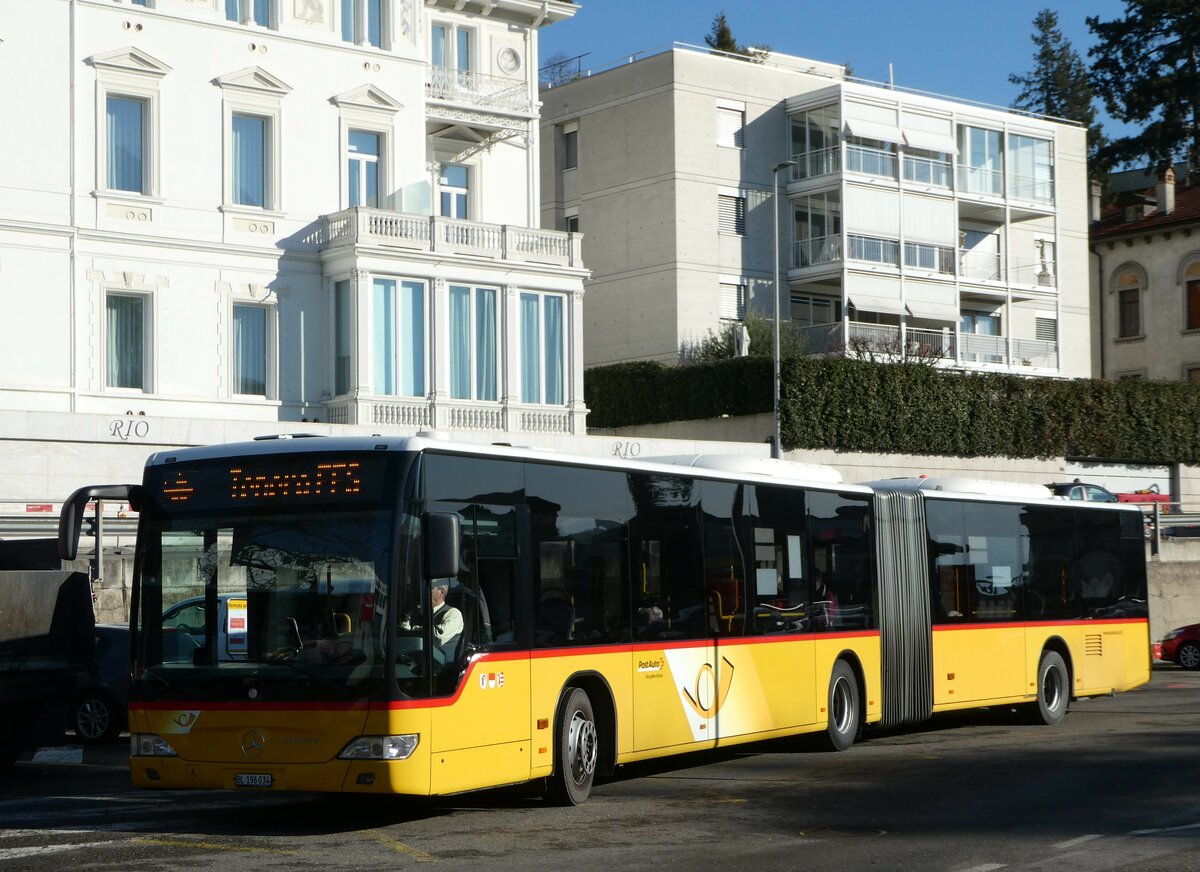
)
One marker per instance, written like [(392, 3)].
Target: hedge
[(905, 408)]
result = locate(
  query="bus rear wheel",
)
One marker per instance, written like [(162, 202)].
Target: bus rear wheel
[(845, 707), (1054, 690), (577, 747)]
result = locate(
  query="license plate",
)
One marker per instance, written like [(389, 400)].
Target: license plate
[(251, 779)]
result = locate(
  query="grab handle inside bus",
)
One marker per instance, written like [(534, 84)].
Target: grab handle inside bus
[(70, 519), (441, 544)]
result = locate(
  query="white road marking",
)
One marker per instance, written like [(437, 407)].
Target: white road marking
[(1071, 843), (42, 850), (986, 867), (1165, 830), (65, 754)]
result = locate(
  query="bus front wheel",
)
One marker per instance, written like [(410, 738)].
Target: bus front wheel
[(1054, 690), (577, 747), (845, 708)]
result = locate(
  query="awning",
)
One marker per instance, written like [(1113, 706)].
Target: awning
[(874, 130), (939, 142), (932, 311), (869, 303)]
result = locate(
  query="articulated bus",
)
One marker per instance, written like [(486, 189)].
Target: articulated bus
[(607, 611)]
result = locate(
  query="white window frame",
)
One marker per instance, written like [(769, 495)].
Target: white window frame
[(564, 372), (255, 93), (149, 344), (439, 187), (130, 74), (246, 13), (380, 161), (369, 110), (740, 288), (427, 361), (734, 225), (729, 134), (570, 129), (270, 351), (473, 339), (452, 59), (361, 35)]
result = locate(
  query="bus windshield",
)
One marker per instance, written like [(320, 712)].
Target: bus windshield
[(293, 600)]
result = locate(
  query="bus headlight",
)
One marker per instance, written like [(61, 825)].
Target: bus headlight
[(380, 748), (149, 745)]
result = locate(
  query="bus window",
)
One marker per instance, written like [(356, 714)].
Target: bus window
[(1050, 591), (724, 565), (783, 596), (579, 519), (839, 537), (665, 543)]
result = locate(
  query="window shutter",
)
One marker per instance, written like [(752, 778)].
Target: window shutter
[(730, 126), (1046, 329), (733, 302), (731, 214)]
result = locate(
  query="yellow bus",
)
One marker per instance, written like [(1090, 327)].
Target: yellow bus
[(417, 616)]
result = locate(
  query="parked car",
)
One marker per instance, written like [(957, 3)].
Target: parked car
[(1078, 490), (1183, 646), (101, 704)]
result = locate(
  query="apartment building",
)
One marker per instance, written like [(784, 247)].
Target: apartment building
[(1147, 278), (909, 225), (267, 213)]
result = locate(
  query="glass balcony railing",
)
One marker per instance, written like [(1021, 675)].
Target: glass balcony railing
[(927, 171), (872, 249), (870, 161), (813, 252), (821, 162)]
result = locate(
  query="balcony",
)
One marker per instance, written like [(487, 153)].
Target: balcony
[(870, 161), (814, 252), (465, 88), (812, 164), (948, 347), (423, 413), (431, 233)]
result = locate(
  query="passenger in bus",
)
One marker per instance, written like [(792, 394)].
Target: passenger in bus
[(825, 603), (650, 622)]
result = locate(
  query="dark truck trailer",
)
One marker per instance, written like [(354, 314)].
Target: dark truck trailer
[(46, 642)]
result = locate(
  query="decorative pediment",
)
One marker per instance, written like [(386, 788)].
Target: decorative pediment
[(368, 97), (130, 60), (255, 79)]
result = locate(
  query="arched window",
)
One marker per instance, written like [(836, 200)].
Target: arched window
[(1128, 287), (1190, 279)]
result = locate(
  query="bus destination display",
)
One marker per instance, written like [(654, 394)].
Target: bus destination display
[(255, 481)]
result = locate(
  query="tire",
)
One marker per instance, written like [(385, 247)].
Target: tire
[(96, 719), (1053, 690), (845, 708), (576, 749), (1188, 655)]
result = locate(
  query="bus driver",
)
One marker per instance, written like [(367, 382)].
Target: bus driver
[(447, 621)]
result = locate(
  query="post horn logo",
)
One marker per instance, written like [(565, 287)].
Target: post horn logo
[(701, 698)]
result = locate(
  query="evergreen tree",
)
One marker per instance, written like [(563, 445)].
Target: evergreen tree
[(1058, 85), (721, 37), (1147, 72)]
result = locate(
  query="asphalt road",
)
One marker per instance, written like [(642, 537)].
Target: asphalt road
[(1114, 787)]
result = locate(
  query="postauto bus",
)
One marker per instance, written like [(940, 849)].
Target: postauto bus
[(607, 611)]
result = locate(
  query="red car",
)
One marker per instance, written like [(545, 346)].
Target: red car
[(1183, 646)]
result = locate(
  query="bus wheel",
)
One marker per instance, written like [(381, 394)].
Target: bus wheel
[(844, 707), (577, 745), (1054, 692)]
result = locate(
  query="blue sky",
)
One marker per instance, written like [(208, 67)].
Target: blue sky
[(956, 48)]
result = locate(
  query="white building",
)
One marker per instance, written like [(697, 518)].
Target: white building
[(223, 217), (908, 224)]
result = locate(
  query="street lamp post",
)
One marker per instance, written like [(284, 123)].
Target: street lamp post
[(776, 447)]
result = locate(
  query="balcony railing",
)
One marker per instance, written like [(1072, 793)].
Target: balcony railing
[(362, 226), (820, 162), (813, 252), (927, 171), (979, 266), (1035, 271), (477, 89), (423, 413), (870, 161), (978, 180), (933, 258), (874, 250), (941, 347), (1037, 189)]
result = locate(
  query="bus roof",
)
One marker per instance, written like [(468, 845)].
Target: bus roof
[(762, 469), (964, 485)]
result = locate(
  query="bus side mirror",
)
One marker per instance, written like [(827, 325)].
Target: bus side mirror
[(441, 534), (70, 519)]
